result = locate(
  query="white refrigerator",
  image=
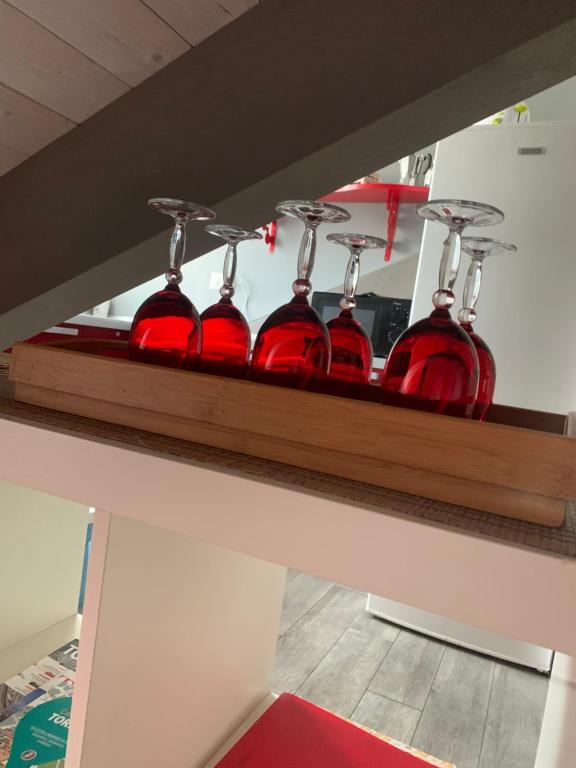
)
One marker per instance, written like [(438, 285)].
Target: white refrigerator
[(526, 306)]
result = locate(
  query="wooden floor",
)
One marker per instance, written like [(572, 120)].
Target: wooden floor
[(451, 703)]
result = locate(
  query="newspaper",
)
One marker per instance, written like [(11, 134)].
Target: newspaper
[(49, 678)]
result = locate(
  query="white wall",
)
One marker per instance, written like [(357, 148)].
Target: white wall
[(395, 280), (264, 279), (43, 540), (526, 307), (391, 173)]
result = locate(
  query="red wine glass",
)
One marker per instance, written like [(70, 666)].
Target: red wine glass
[(351, 346), (166, 329), (225, 332), (433, 365), (293, 346), (478, 248)]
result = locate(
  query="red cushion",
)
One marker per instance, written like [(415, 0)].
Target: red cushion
[(293, 733)]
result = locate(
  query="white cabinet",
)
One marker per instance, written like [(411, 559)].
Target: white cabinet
[(525, 310), (186, 579)]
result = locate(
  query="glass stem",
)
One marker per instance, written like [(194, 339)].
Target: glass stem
[(229, 272), (177, 250), (348, 301), (306, 256), (471, 290), (449, 264)]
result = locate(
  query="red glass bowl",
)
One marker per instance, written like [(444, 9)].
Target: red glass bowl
[(166, 330), (433, 366), (351, 360), (487, 377), (225, 340), (292, 348)]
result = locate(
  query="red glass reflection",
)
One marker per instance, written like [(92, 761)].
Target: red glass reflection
[(292, 348), (166, 330), (433, 366), (487, 378), (351, 349), (225, 340)]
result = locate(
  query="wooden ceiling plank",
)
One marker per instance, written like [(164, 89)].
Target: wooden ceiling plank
[(27, 126), (252, 116), (39, 65), (196, 20), (123, 36), (10, 158)]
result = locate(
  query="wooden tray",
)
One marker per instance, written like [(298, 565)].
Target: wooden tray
[(515, 471)]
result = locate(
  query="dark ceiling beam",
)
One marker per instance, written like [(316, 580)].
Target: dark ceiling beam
[(293, 99)]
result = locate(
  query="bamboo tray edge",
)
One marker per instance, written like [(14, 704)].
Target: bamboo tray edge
[(519, 473)]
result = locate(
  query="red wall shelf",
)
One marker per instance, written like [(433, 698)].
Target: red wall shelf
[(390, 194), (377, 193)]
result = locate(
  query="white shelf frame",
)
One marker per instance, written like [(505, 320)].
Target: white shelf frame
[(498, 586)]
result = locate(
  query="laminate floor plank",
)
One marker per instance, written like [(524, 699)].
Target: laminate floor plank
[(340, 680), (408, 671), (387, 717), (302, 592), (302, 648), (454, 716), (449, 702), (514, 718)]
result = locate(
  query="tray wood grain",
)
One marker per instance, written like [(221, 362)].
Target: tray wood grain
[(523, 473)]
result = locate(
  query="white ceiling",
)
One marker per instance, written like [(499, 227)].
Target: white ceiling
[(63, 60)]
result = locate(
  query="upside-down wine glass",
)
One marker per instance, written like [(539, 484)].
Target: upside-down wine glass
[(433, 365), (225, 332), (166, 329), (478, 248), (351, 346), (293, 347)]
